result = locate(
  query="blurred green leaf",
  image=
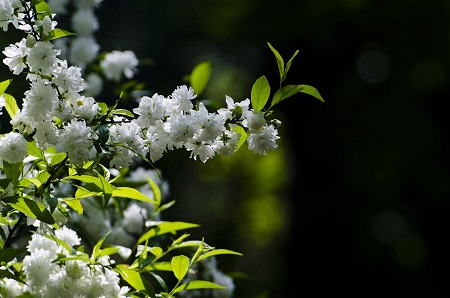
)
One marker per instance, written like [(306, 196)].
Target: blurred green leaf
[(198, 284), (199, 77), (57, 33), (166, 227)]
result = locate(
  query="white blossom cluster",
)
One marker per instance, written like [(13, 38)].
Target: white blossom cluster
[(47, 276), (55, 113)]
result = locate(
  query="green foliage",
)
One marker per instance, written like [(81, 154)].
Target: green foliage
[(57, 33), (199, 77), (260, 93)]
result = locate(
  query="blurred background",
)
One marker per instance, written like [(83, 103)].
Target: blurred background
[(356, 199)]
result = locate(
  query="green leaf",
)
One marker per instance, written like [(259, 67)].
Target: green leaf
[(200, 76), (160, 281), (280, 62), (43, 10), (197, 284), (180, 266), (289, 90), (8, 274), (156, 192), (34, 150), (4, 85), (311, 91), (31, 208), (57, 33), (96, 249), (57, 158), (260, 93), (13, 171), (108, 251), (11, 105), (8, 254), (166, 227), (131, 193), (123, 112), (75, 205), (137, 281), (288, 65), (243, 138), (218, 252), (160, 266)]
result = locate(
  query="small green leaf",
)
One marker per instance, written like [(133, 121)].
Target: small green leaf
[(180, 266), (96, 249), (31, 208), (160, 266), (260, 93), (218, 252), (131, 193), (137, 281), (280, 62), (13, 171), (197, 284), (156, 192), (75, 205), (11, 105), (123, 112), (288, 65), (4, 85), (200, 76), (57, 158), (311, 91), (43, 10), (108, 251), (166, 227), (57, 33), (243, 138), (34, 150)]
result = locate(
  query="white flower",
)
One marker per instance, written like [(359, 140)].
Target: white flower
[(182, 98), (76, 269), (117, 63), (67, 235), (84, 49), (210, 125), (181, 127), (130, 134), (12, 287), (13, 148), (40, 101), (150, 109), (76, 139), (42, 57), (7, 8), (40, 242), (47, 25), (264, 141), (203, 150), (86, 108), (46, 134), (84, 22), (159, 140), (68, 78), (254, 121), (134, 218), (15, 56), (228, 143), (2, 103), (38, 266)]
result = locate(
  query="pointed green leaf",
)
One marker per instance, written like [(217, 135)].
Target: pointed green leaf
[(4, 85), (289, 90), (218, 252), (13, 171), (243, 138), (166, 227), (198, 284), (137, 281), (57, 158), (123, 112), (200, 76), (31, 208), (108, 251), (11, 105), (131, 193), (34, 150), (160, 281), (311, 91), (75, 205), (43, 10), (280, 62), (98, 245), (288, 65), (260, 93), (156, 192), (57, 33), (180, 266), (160, 266)]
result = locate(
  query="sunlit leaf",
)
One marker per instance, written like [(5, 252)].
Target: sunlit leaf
[(75, 205), (180, 266), (288, 65), (137, 281), (11, 105), (197, 284), (13, 171), (96, 249), (57, 33), (166, 227), (311, 91), (200, 76), (4, 85), (57, 158), (156, 192), (280, 62), (31, 208), (243, 137), (260, 93), (131, 193), (218, 252)]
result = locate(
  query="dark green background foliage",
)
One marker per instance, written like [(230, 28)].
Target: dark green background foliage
[(356, 200)]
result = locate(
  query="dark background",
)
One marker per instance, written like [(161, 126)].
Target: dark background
[(356, 201)]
